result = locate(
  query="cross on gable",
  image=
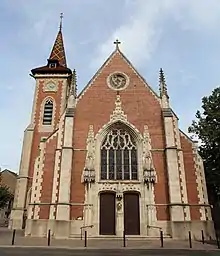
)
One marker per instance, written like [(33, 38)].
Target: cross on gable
[(117, 42)]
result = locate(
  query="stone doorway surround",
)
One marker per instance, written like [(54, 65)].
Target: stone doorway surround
[(144, 185)]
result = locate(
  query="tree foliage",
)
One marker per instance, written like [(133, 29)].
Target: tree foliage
[(206, 128), (5, 196)]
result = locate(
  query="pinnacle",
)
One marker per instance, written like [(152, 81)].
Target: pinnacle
[(163, 86), (73, 89), (162, 77)]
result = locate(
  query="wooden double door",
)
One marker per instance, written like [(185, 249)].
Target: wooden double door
[(108, 213)]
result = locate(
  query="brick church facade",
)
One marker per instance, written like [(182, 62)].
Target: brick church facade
[(107, 160)]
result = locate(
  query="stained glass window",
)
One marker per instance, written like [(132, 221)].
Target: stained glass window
[(119, 156)]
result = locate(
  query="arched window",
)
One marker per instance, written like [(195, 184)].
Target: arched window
[(48, 112), (119, 156)]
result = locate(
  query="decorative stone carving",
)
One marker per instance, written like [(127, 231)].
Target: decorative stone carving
[(118, 113), (51, 86), (118, 81), (108, 186), (89, 169), (119, 206), (130, 187), (148, 167)]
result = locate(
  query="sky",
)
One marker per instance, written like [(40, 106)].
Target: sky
[(180, 36)]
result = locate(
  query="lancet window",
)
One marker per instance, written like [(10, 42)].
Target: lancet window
[(48, 112)]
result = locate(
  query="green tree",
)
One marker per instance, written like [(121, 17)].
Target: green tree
[(206, 128), (5, 196)]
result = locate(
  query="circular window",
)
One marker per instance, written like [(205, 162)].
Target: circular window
[(118, 81)]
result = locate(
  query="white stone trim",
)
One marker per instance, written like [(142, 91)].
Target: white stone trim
[(181, 168), (176, 212), (123, 74), (55, 183), (199, 182), (34, 107), (57, 166), (51, 76), (37, 180), (208, 214), (63, 211), (47, 128)]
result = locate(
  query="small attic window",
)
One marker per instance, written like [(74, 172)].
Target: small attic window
[(52, 65)]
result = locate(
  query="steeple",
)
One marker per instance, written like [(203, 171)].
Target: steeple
[(163, 90), (58, 52), (57, 60)]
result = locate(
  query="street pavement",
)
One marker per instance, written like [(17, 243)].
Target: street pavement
[(100, 252)]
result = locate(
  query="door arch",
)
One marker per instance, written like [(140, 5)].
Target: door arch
[(107, 213), (131, 213)]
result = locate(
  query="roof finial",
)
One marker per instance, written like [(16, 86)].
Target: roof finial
[(61, 20), (117, 42)]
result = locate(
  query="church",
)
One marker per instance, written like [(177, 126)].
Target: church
[(108, 160)]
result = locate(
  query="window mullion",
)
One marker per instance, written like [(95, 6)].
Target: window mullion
[(115, 166), (130, 167), (122, 163), (107, 164)]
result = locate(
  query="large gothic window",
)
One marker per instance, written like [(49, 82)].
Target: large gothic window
[(119, 156)]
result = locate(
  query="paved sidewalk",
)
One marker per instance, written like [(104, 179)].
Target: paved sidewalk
[(20, 240)]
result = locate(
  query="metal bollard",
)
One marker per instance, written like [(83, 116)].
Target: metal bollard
[(48, 238), (190, 240), (203, 238), (124, 242), (161, 238), (85, 245), (13, 237)]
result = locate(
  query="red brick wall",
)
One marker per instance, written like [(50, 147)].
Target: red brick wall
[(37, 135), (191, 184), (96, 106), (48, 173)]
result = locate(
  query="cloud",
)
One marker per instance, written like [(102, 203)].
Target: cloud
[(90, 27), (141, 33)]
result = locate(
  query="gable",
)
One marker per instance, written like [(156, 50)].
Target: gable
[(139, 102), (118, 62)]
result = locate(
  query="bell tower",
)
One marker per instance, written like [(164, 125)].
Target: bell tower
[(50, 100)]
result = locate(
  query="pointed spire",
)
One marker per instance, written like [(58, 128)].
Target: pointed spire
[(58, 52)]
